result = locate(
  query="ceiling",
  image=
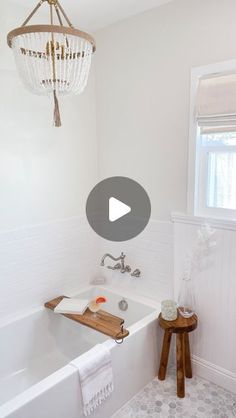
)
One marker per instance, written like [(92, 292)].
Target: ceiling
[(96, 14)]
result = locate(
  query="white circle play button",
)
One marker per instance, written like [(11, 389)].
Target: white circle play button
[(118, 208)]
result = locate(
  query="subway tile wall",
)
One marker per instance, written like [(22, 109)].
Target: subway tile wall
[(40, 262), (152, 253)]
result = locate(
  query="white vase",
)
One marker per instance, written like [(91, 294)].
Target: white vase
[(186, 299)]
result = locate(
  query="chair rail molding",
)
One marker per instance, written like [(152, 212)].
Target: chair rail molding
[(216, 223)]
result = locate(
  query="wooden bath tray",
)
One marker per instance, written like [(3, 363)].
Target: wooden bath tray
[(103, 322)]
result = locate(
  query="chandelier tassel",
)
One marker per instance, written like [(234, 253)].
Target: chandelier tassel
[(57, 117)]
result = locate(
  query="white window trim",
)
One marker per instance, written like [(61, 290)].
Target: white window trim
[(193, 161)]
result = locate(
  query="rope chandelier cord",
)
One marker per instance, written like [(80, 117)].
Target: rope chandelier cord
[(52, 59)]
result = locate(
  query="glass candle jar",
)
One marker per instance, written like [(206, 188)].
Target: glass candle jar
[(169, 310)]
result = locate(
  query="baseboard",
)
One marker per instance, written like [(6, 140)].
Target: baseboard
[(215, 374)]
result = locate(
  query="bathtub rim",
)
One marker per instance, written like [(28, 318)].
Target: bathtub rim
[(113, 289)]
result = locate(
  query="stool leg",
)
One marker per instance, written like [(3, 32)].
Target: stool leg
[(180, 365), (164, 355), (188, 366)]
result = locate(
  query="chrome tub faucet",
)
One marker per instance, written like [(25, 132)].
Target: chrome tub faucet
[(121, 265)]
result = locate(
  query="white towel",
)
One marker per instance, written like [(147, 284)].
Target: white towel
[(96, 377)]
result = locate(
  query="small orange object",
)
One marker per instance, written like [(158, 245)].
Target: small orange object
[(100, 299)]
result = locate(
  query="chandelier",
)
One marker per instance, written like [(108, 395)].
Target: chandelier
[(52, 59)]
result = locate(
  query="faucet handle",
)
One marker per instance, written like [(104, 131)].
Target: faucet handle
[(115, 267), (136, 273)]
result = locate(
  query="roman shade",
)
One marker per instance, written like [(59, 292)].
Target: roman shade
[(216, 103)]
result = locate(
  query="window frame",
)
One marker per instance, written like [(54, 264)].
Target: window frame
[(197, 192)]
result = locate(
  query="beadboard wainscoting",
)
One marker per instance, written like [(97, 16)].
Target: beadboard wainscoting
[(40, 262), (214, 341), (152, 253)]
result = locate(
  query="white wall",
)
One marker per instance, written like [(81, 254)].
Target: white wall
[(143, 68), (152, 253), (214, 341), (46, 174), (142, 81), (40, 262)]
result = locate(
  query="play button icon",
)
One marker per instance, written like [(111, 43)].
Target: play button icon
[(118, 208)]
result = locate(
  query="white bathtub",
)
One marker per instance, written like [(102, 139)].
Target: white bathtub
[(36, 377)]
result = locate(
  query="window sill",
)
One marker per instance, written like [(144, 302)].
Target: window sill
[(216, 223)]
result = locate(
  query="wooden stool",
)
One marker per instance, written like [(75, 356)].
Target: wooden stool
[(181, 327)]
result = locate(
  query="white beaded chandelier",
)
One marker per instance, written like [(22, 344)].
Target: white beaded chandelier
[(52, 59)]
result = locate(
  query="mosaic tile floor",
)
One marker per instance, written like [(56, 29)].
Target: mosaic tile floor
[(158, 400)]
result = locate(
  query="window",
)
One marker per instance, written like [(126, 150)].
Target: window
[(212, 166), (217, 174)]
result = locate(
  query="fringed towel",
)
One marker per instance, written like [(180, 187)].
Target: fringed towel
[(96, 377)]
